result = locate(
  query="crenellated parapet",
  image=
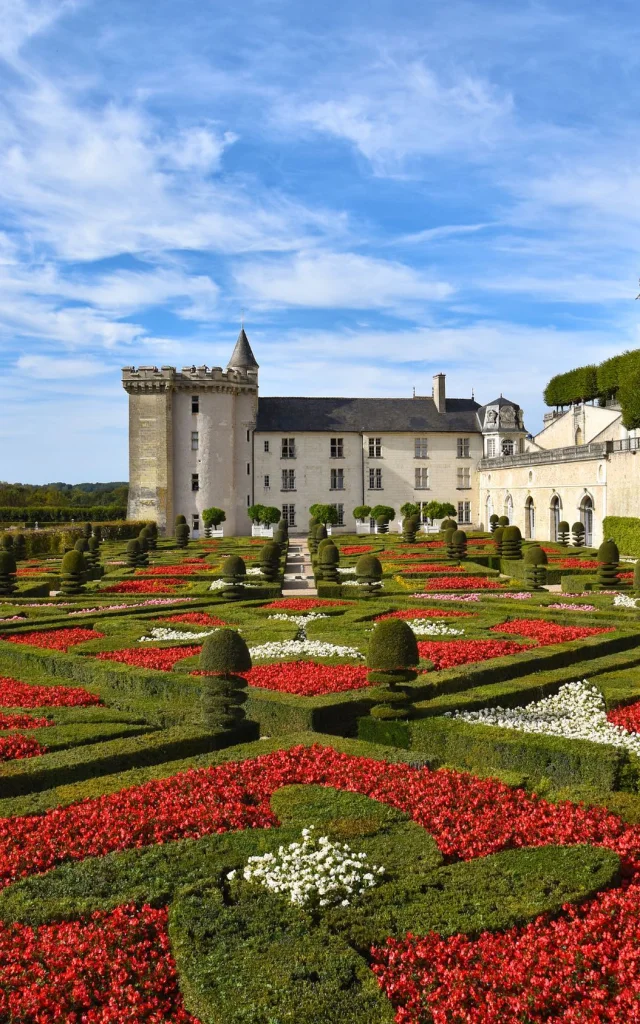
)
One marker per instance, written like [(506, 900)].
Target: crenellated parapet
[(149, 379)]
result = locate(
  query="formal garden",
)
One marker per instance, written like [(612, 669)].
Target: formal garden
[(411, 795)]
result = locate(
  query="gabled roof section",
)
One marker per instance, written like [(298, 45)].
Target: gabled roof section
[(399, 415), (242, 358)]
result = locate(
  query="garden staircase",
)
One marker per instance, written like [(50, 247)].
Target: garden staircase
[(298, 574)]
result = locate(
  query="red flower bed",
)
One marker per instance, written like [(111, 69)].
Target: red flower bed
[(424, 613), (308, 678), (356, 549), (55, 639), (143, 587), (574, 563), (584, 966), (432, 567), (15, 694), (196, 619), (114, 968), (16, 747), (184, 569), (301, 604), (162, 658), (449, 653), (549, 632), (23, 722), (628, 717), (462, 583)]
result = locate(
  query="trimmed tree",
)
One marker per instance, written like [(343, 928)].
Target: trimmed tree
[(329, 557), (133, 553), (271, 515), (361, 512), (223, 657), (87, 531), (493, 522), (212, 517), (497, 537), (270, 560), (383, 524), (8, 579), (97, 532), (448, 539), (503, 521), (325, 514), (182, 535), (535, 567), (459, 544), (392, 659), (410, 508), (92, 554), (608, 565), (512, 543), (564, 531), (577, 532), (234, 573), (180, 521), (386, 511), (81, 545), (408, 530), (255, 513), (368, 571), (74, 573)]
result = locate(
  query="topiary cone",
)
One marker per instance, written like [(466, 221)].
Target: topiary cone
[(133, 553), (234, 572), (459, 544), (564, 531), (74, 573), (270, 560), (223, 657), (81, 545), (392, 658), (512, 543), (608, 565), (7, 572), (182, 535), (409, 528), (92, 555)]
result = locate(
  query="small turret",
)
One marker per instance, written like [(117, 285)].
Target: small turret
[(242, 358)]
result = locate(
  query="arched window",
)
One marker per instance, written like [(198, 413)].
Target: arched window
[(586, 518), (555, 509), (508, 508), (488, 512), (579, 436), (529, 519)]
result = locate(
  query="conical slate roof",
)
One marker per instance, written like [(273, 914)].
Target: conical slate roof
[(242, 358)]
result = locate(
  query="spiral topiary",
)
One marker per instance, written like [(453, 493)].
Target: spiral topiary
[(234, 573), (92, 554), (409, 530), (7, 573), (180, 521), (503, 521), (383, 524), (512, 543), (7, 541), (280, 537), (564, 531), (73, 573), (97, 533), (497, 536), (415, 518), (87, 531), (577, 532), (133, 554), (608, 565), (392, 658), (448, 539), (20, 547), (368, 571), (329, 558), (223, 656), (459, 544), (448, 524), (270, 560), (493, 522), (152, 535), (535, 567), (182, 535)]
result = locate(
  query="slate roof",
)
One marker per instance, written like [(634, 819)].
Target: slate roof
[(387, 415), (242, 356)]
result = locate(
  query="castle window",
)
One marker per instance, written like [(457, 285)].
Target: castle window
[(421, 448), (266, 446), (337, 448), (375, 479), (266, 482), (288, 448), (375, 447), (464, 478), (288, 479), (289, 514), (195, 522), (337, 479), (521, 445), (463, 447), (507, 447), (248, 435), (195, 403), (422, 479), (248, 469), (464, 511), (194, 440), (195, 482), (340, 510), (491, 448)]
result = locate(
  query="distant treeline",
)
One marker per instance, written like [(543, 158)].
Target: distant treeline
[(64, 496), (44, 514)]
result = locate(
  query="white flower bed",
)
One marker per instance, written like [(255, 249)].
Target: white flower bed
[(303, 648), (624, 601), (356, 583), (427, 627), (164, 633), (576, 712), (348, 571), (315, 872), (220, 584), (299, 620)]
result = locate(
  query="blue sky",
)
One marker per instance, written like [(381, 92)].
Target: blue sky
[(387, 189)]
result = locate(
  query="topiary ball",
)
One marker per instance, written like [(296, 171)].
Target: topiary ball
[(233, 566), (534, 555), (73, 563), (270, 553), (329, 554), (7, 563), (180, 521), (225, 652), (82, 544), (393, 646), (563, 526), (93, 545), (369, 567), (608, 552), (7, 541), (133, 547)]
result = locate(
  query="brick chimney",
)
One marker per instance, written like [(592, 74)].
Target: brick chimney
[(439, 392)]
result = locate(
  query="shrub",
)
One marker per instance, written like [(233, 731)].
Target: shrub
[(325, 514), (87, 530), (577, 531), (182, 535), (458, 543), (152, 535), (387, 511), (270, 560), (625, 531), (92, 555), (608, 565), (535, 567), (271, 515), (368, 570), (234, 573), (180, 521), (133, 554), (361, 512), (497, 537), (448, 524), (512, 543), (493, 522), (563, 533), (148, 539), (81, 545), (74, 572), (7, 572), (391, 658), (97, 531), (20, 547), (255, 513), (409, 509), (329, 561), (224, 655), (408, 530), (280, 536)]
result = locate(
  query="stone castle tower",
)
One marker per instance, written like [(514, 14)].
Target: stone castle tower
[(191, 439)]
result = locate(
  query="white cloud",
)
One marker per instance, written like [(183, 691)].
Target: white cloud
[(51, 368), (339, 280), (23, 19)]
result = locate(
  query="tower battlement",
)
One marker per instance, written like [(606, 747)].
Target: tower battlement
[(168, 378)]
